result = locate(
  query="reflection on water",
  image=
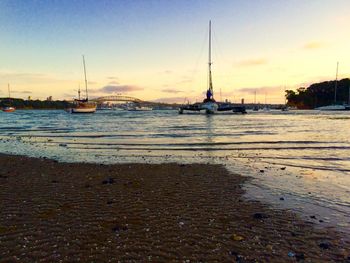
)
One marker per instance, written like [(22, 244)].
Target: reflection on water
[(304, 155)]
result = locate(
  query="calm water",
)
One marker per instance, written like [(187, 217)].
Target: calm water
[(305, 155)]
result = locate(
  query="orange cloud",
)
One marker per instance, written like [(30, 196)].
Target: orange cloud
[(314, 45)]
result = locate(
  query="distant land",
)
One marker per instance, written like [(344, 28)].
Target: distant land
[(319, 94), (34, 104)]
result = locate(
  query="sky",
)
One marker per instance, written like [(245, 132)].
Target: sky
[(158, 50)]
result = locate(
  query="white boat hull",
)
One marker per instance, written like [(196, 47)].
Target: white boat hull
[(82, 110), (332, 108), (210, 107)]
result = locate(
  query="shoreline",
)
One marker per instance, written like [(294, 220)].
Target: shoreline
[(53, 211)]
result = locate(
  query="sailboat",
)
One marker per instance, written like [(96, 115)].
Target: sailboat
[(266, 108), (335, 106), (8, 108), (285, 106), (83, 105), (256, 107), (209, 105)]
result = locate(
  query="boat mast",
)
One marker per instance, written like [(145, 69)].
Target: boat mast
[(255, 97), (87, 98), (336, 84), (209, 63), (79, 92)]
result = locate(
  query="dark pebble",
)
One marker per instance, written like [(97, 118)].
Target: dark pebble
[(282, 198), (299, 256), (325, 245), (313, 217), (109, 202), (182, 165), (321, 221), (119, 228), (108, 181), (293, 234), (260, 216), (262, 171), (54, 181), (239, 258), (283, 168)]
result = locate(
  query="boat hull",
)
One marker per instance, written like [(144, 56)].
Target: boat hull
[(83, 110), (8, 109), (210, 107), (334, 108)]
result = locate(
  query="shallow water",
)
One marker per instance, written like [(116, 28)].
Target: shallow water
[(301, 156)]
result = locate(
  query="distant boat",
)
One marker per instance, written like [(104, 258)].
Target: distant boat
[(335, 106), (266, 108), (133, 107), (83, 105), (256, 107), (8, 108)]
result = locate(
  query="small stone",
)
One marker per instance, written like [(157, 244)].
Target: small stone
[(108, 181), (291, 254), (262, 171), (237, 237), (325, 245), (283, 168), (260, 216), (299, 256), (282, 198), (313, 217)]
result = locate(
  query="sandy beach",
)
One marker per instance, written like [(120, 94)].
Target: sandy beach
[(68, 212)]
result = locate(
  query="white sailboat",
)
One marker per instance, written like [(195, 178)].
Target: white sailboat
[(335, 106), (83, 105), (9, 107), (209, 104)]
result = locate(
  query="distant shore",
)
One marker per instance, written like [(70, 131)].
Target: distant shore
[(54, 211)]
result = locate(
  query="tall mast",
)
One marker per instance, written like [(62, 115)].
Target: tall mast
[(79, 91), (336, 84), (8, 87), (209, 63), (255, 97), (85, 79)]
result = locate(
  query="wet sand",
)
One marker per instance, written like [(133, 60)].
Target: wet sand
[(52, 212)]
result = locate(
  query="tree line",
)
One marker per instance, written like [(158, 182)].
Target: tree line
[(320, 94), (34, 104)]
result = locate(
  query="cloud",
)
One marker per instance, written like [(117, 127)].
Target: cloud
[(109, 89), (252, 62), (166, 72), (171, 100), (314, 45), (22, 92), (113, 78), (260, 90), (113, 83), (170, 90)]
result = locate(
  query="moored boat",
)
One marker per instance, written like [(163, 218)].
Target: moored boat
[(83, 105), (8, 108)]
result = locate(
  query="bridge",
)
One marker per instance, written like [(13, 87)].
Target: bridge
[(118, 98)]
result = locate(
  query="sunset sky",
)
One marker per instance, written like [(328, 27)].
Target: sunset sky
[(158, 50)]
